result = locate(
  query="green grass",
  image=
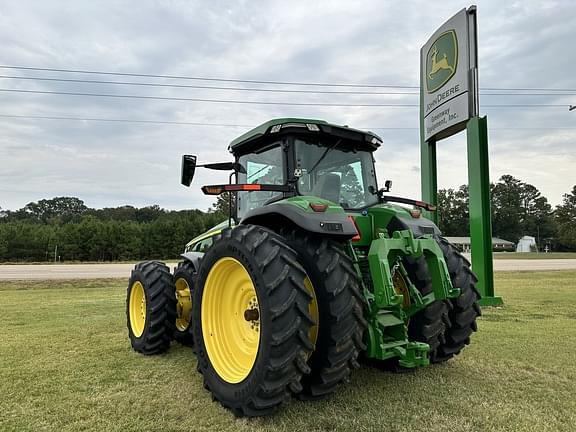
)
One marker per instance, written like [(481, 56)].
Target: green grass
[(66, 365), (534, 255)]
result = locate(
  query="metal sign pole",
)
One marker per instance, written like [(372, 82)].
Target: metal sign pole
[(479, 209), (428, 172)]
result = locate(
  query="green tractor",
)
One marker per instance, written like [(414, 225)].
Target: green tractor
[(315, 268)]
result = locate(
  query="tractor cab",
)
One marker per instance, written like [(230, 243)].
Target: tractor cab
[(290, 157), (311, 158)]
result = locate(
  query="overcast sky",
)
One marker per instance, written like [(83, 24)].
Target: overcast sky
[(524, 44)]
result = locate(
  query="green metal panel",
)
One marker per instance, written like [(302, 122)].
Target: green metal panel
[(428, 173), (429, 177), (480, 217), (387, 318)]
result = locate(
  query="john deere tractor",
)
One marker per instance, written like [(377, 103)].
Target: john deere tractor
[(316, 267)]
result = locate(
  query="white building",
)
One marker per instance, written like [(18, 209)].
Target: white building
[(498, 245), (526, 244)]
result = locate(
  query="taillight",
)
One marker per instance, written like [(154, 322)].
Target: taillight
[(357, 237), (318, 207)]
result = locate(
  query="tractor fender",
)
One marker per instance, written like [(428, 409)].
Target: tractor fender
[(333, 224), (193, 258), (418, 226)]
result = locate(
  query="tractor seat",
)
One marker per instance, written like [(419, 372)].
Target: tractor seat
[(328, 187)]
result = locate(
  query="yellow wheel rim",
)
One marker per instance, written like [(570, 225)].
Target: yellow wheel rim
[(183, 304), (401, 287), (230, 320), (313, 310), (137, 308)]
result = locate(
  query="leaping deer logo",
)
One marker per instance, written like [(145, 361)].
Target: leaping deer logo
[(439, 65)]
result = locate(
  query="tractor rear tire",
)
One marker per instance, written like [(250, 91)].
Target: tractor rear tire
[(184, 282), (150, 308), (428, 325), (251, 321), (339, 313), (445, 325), (464, 309)]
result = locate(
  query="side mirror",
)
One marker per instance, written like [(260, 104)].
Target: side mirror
[(188, 169), (387, 185)]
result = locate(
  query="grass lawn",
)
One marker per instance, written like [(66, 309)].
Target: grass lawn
[(66, 365), (534, 255)]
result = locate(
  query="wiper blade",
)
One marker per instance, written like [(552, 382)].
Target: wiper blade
[(328, 150)]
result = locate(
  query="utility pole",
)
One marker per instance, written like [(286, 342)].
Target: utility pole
[(55, 252)]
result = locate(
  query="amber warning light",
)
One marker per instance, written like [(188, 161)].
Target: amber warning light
[(218, 189)]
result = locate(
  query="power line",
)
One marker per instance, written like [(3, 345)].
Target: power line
[(229, 101), (79, 71), (294, 83), (206, 87), (244, 102), (265, 90), (97, 119), (183, 123)]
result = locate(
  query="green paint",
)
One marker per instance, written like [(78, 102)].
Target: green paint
[(303, 203), (215, 230), (387, 317), (480, 218)]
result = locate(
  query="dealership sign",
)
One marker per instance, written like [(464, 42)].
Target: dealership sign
[(449, 76)]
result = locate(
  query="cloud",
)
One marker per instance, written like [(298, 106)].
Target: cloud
[(108, 164)]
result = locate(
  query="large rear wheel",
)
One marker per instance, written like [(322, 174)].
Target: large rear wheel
[(150, 307), (445, 325), (251, 321), (464, 309), (336, 308)]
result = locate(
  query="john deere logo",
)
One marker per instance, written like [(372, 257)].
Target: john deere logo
[(441, 61)]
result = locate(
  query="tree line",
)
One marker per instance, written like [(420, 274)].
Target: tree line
[(518, 209), (64, 228)]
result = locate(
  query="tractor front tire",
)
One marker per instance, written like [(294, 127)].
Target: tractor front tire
[(150, 308), (336, 308), (251, 321), (184, 282)]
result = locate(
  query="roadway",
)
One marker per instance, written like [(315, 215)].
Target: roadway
[(99, 271)]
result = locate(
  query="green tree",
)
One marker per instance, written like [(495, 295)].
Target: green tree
[(453, 215), (351, 190), (519, 209), (222, 205), (64, 207), (565, 215), (506, 208)]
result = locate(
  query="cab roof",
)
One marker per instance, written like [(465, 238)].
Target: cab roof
[(261, 135)]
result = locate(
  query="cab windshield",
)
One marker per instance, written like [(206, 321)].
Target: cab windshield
[(336, 172)]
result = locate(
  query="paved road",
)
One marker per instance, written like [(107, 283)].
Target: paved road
[(96, 271), (66, 271)]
